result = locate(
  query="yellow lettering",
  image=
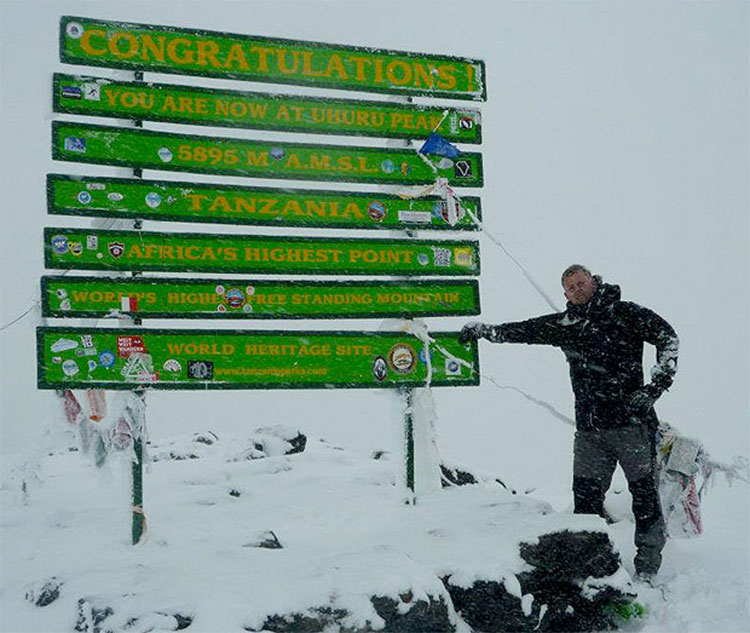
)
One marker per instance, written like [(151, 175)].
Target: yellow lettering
[(88, 46)]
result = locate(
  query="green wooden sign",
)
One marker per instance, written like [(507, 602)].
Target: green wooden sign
[(187, 51), (204, 202), (164, 298), (89, 249), (131, 147), (253, 110), (232, 359)]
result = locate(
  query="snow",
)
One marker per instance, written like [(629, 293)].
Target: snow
[(616, 134)]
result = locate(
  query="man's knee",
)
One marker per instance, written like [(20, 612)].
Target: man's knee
[(588, 496), (646, 505)]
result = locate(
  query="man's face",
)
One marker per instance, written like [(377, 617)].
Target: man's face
[(579, 287)]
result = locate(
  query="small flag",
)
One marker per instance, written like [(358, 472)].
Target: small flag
[(437, 145), (129, 304)]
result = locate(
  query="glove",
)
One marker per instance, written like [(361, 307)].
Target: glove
[(641, 400), (474, 331)]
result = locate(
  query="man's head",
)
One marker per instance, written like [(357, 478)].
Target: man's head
[(579, 284)]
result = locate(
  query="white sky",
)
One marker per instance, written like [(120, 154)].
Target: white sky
[(615, 135)]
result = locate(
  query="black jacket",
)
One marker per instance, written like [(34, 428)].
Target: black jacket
[(603, 344)]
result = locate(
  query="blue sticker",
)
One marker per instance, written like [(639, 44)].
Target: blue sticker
[(107, 359), (277, 153), (92, 365), (75, 144), (422, 356), (84, 197), (153, 199), (60, 244), (72, 92), (423, 259), (388, 166)]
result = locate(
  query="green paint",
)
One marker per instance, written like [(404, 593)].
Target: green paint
[(89, 249), (201, 202), (143, 149), (188, 51), (159, 297), (254, 110), (230, 359)]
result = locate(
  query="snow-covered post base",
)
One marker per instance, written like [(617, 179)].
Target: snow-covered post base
[(137, 405), (411, 498)]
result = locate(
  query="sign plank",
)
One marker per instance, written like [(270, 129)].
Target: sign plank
[(231, 359), (147, 149), (90, 249), (96, 96), (229, 204), (186, 51), (164, 298)]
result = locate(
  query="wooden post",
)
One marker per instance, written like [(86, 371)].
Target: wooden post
[(411, 498), (138, 400)]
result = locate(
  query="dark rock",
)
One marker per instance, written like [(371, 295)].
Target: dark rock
[(575, 555), (298, 444), (93, 617), (455, 477), (267, 540), (315, 621), (561, 561), (206, 438), (423, 617), (44, 593)]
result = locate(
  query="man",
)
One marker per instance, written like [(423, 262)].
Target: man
[(602, 338)]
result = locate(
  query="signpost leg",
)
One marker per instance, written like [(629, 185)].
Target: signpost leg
[(409, 433), (138, 401)]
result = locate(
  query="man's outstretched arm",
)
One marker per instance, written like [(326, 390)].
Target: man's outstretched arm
[(544, 330)]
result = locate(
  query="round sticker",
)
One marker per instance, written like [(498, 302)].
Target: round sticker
[(61, 293), (235, 298), (401, 358), (376, 211), (70, 367), (153, 199), (60, 244), (221, 308), (65, 304), (92, 365), (84, 197), (423, 259), (107, 359), (74, 30), (388, 166), (172, 364), (247, 308), (277, 153), (250, 291), (165, 154), (220, 289)]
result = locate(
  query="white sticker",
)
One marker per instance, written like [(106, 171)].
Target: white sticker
[(415, 216), (74, 30), (92, 92), (63, 345), (452, 367), (70, 367), (165, 154)]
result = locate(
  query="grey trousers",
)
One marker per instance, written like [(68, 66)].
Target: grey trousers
[(596, 455)]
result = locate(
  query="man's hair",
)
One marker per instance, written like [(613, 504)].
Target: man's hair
[(572, 270)]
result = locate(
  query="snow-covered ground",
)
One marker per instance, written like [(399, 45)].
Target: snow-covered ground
[(344, 529)]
